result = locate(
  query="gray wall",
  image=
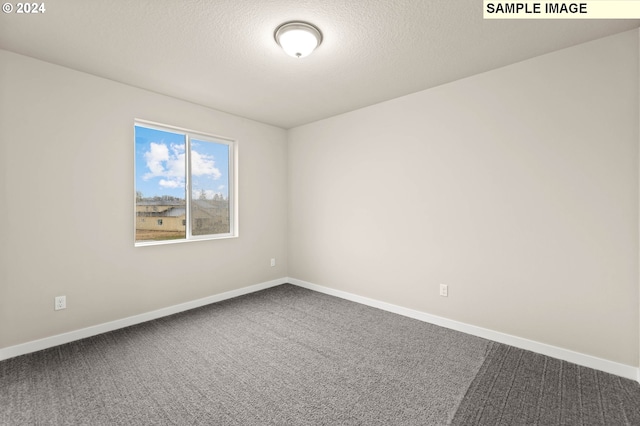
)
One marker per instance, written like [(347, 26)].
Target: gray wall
[(517, 187), (66, 206)]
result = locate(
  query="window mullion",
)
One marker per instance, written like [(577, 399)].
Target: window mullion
[(188, 191)]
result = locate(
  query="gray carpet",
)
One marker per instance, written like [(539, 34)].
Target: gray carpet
[(518, 387), (283, 356), (290, 356)]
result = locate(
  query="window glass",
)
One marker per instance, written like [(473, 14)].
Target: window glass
[(210, 183)]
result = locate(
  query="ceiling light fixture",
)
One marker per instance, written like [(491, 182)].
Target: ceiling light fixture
[(298, 39)]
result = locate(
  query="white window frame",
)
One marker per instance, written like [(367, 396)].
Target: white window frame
[(233, 183)]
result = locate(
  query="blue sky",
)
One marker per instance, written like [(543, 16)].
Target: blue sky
[(160, 165)]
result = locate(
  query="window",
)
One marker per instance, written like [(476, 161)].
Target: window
[(185, 180)]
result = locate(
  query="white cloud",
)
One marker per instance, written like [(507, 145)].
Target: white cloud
[(168, 163), (157, 154), (204, 165), (170, 183)]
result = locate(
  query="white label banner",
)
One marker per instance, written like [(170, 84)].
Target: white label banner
[(586, 9)]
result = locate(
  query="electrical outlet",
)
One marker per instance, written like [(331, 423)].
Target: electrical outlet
[(60, 303), (273, 262), (444, 290)]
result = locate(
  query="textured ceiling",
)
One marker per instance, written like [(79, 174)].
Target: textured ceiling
[(221, 53)]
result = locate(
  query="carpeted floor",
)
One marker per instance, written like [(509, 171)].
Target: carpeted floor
[(290, 356), (517, 387)]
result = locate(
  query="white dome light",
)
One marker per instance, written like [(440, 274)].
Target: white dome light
[(298, 39)]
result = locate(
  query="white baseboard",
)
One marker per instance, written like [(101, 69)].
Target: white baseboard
[(584, 360), (618, 369), (60, 339)]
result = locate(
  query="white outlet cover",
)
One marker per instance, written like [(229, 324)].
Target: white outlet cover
[(60, 303), (444, 290)]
